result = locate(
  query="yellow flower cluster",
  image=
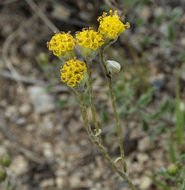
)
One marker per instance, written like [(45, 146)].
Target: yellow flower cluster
[(73, 72), (60, 43), (63, 44), (89, 38), (111, 25)]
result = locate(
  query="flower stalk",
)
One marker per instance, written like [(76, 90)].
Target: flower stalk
[(118, 128), (100, 147), (93, 110)]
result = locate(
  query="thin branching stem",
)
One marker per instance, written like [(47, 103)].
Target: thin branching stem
[(118, 128), (97, 143)]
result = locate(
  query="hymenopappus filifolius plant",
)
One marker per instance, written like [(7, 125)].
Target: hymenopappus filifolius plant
[(76, 73)]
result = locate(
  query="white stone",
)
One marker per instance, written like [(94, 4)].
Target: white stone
[(42, 101), (145, 183), (60, 182), (145, 13), (144, 144), (48, 150), (10, 111), (25, 109), (75, 181), (30, 127), (2, 151), (19, 165), (142, 157), (47, 183)]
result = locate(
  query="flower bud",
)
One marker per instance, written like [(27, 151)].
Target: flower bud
[(3, 175), (113, 67), (43, 58), (120, 84), (172, 169), (5, 160)]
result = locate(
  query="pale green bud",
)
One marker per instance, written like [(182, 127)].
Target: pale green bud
[(113, 67), (172, 169), (3, 175), (5, 160)]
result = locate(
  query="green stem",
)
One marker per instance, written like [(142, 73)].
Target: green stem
[(96, 142), (118, 128), (91, 99)]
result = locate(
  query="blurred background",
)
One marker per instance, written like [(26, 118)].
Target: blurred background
[(41, 128)]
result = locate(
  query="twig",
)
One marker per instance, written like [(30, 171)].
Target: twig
[(29, 154), (5, 51), (6, 46), (42, 16), (24, 79), (110, 4), (115, 6), (6, 2)]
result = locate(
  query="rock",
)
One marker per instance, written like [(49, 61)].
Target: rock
[(164, 29), (146, 12), (61, 12), (145, 183), (25, 109), (93, 188), (142, 157), (75, 181), (182, 71), (123, 186), (100, 168), (2, 151), (158, 81), (182, 106), (48, 151), (28, 48), (18, 166), (60, 182), (144, 144), (10, 111), (20, 121), (183, 42), (30, 127), (47, 183), (42, 101)]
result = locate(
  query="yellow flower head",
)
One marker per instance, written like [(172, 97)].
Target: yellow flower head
[(89, 38), (60, 43), (111, 25), (73, 72)]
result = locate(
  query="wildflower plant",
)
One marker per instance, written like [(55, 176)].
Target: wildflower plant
[(76, 72)]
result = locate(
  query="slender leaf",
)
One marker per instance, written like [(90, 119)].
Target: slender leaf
[(145, 125), (158, 182), (179, 117), (172, 151), (171, 33)]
